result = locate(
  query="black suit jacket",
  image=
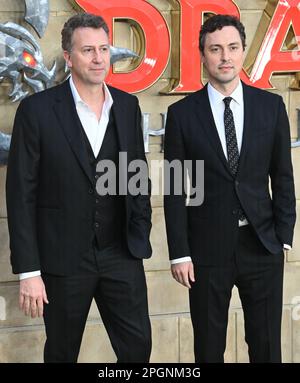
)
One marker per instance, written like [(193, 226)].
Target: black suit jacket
[(50, 183), (208, 232)]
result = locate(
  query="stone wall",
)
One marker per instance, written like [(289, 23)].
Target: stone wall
[(22, 338)]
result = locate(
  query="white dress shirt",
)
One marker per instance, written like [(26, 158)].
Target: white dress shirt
[(95, 130), (237, 106)]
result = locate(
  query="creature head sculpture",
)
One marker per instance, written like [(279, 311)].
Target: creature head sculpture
[(21, 59)]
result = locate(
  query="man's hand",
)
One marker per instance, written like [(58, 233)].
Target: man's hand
[(183, 273), (32, 296)]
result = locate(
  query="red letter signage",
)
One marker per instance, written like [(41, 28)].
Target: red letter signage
[(156, 38), (156, 42), (191, 19), (270, 58)]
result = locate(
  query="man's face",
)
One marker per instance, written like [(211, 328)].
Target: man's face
[(89, 59), (223, 55)]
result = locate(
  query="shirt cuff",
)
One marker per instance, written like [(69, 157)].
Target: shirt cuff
[(180, 260), (287, 247), (30, 274)]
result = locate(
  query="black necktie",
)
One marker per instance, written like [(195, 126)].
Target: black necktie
[(231, 141), (231, 144)]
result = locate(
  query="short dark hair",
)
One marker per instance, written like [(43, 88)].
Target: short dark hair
[(81, 20), (218, 22)]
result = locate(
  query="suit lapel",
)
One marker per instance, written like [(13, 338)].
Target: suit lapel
[(249, 112), (206, 119), (119, 110), (67, 116)]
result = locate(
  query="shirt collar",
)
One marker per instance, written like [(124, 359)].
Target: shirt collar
[(108, 100), (217, 97)]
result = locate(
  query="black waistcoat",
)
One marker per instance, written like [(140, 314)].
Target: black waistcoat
[(109, 210)]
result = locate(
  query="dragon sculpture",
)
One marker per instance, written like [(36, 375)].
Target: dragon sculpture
[(23, 56), (21, 59)]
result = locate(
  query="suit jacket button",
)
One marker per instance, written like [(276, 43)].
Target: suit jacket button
[(91, 191)]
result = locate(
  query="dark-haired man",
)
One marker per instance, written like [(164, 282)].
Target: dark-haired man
[(237, 236), (70, 243)]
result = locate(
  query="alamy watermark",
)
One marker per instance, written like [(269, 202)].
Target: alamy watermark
[(180, 178)]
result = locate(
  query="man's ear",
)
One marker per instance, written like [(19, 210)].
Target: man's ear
[(202, 57), (68, 59)]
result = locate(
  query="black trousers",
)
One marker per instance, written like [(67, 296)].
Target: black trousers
[(116, 281), (258, 276)]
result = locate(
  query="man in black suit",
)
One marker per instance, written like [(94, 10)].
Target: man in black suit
[(237, 235), (70, 241)]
